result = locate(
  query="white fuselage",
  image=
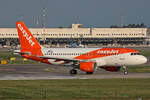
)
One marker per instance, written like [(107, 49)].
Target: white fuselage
[(111, 60)]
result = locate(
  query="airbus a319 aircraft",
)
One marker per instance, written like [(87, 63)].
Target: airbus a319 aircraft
[(84, 59)]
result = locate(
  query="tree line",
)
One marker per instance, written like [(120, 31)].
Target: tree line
[(142, 25)]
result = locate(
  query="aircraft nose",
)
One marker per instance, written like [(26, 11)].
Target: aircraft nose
[(143, 60)]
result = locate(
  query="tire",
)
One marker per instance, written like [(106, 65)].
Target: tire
[(89, 73), (73, 71), (125, 73)]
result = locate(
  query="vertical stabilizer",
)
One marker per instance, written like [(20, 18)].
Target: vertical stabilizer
[(27, 42)]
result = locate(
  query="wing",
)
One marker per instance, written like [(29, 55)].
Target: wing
[(62, 58), (48, 57)]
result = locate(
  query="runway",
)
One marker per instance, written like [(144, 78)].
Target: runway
[(44, 71)]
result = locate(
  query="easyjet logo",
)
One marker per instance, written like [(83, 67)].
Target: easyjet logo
[(108, 51), (26, 35)]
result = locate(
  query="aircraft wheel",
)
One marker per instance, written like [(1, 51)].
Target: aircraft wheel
[(125, 73), (89, 73), (73, 71), (125, 70)]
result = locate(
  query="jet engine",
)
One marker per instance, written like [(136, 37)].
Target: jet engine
[(111, 69), (87, 66)]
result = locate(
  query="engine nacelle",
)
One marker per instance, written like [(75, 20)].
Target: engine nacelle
[(87, 66), (111, 69)]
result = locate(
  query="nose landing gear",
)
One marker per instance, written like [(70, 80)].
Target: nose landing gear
[(125, 70)]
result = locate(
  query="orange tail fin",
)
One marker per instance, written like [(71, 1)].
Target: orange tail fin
[(27, 41)]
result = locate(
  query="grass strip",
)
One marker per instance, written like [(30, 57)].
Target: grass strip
[(86, 89)]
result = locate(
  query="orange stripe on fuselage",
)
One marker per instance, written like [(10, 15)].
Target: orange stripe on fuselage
[(103, 52)]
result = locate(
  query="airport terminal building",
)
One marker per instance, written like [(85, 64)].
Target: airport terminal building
[(77, 34)]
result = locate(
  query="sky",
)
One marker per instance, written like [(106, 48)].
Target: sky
[(62, 13)]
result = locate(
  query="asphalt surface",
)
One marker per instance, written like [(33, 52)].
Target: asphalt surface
[(44, 71)]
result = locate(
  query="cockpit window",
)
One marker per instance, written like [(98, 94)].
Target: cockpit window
[(135, 53)]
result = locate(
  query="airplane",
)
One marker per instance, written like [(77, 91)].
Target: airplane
[(84, 59)]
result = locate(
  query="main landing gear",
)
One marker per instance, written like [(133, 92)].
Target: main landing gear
[(89, 73), (73, 71), (125, 70)]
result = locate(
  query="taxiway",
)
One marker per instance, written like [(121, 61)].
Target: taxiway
[(44, 71)]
